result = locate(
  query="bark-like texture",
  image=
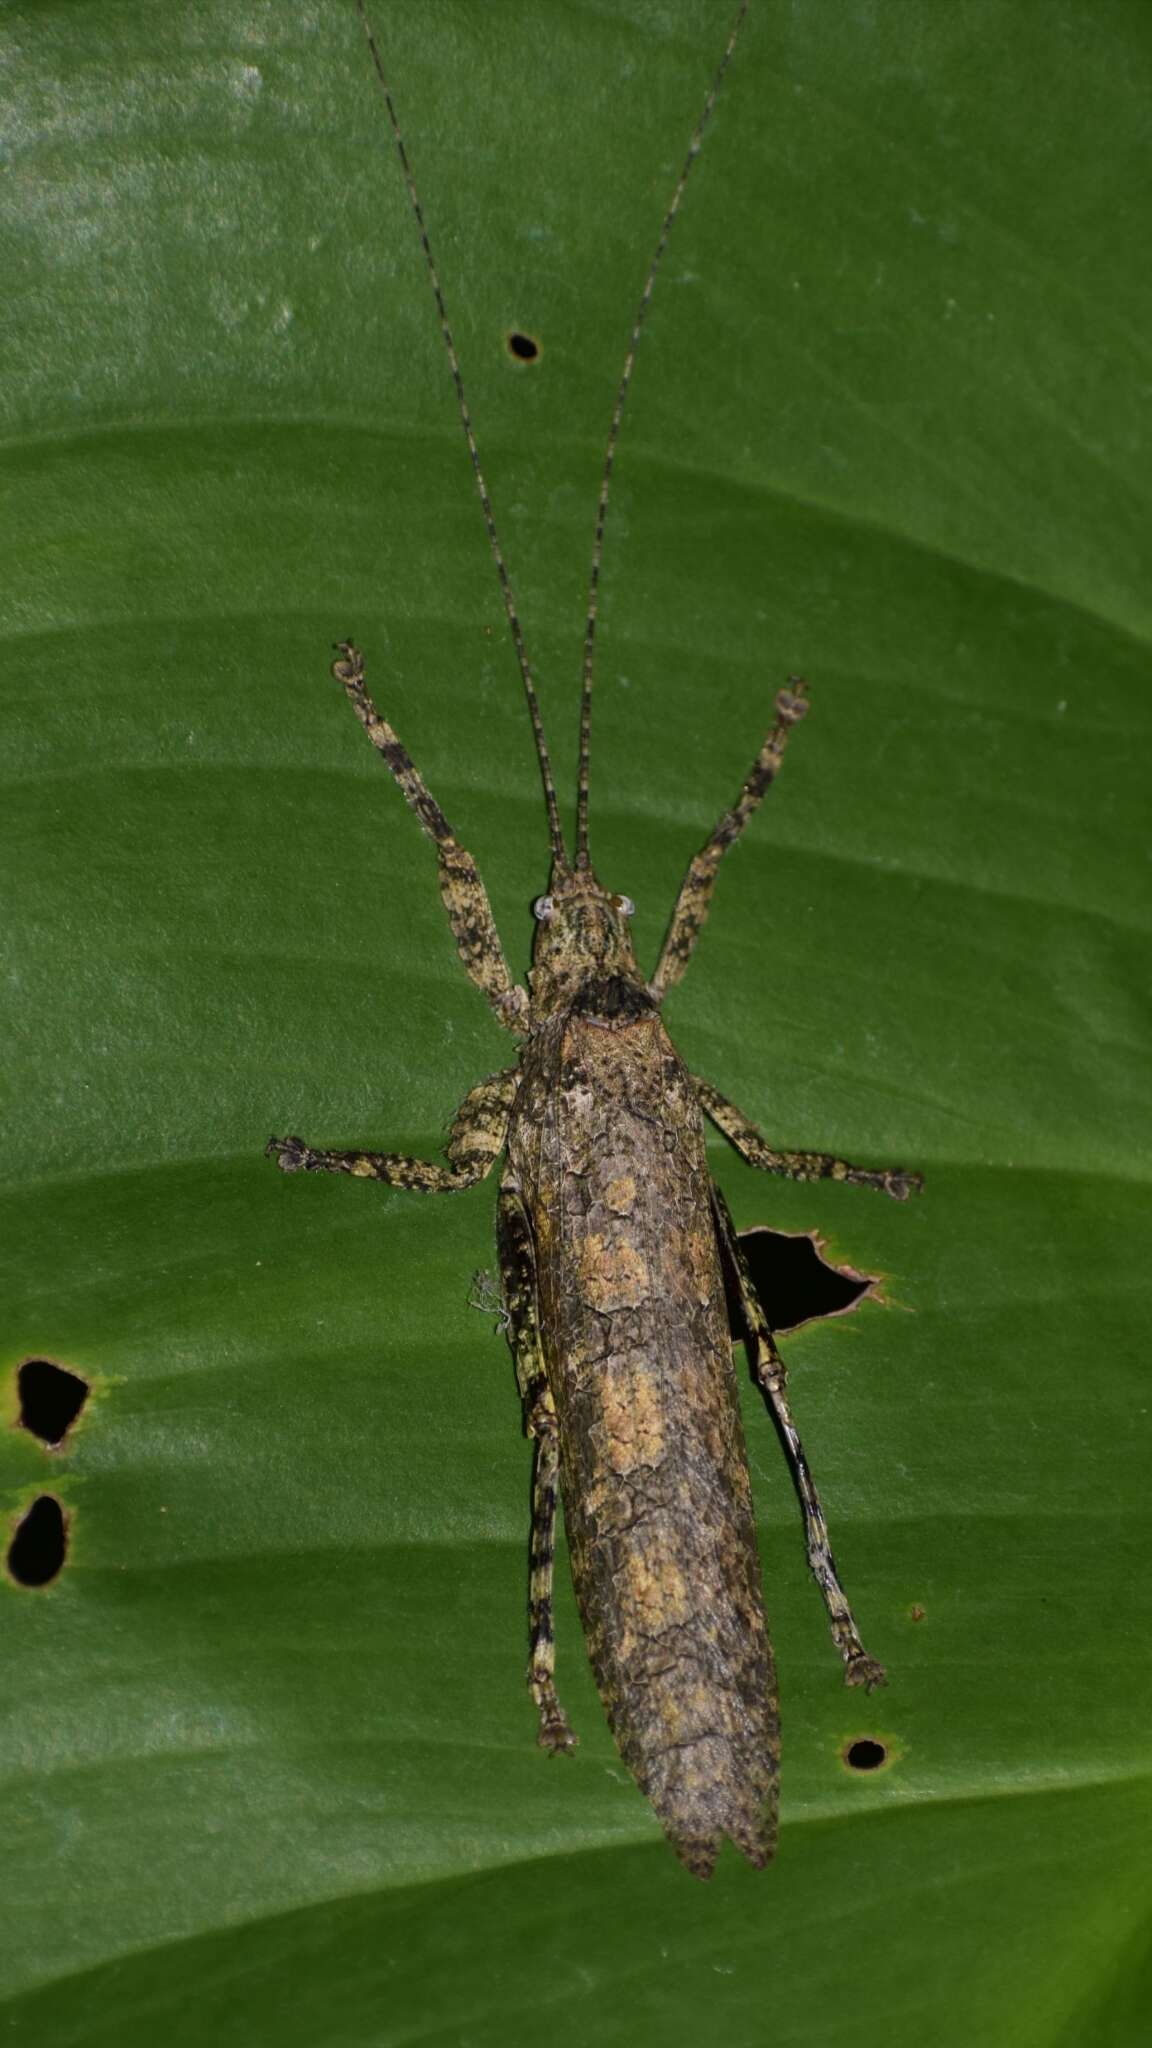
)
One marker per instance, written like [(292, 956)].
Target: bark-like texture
[(606, 1144)]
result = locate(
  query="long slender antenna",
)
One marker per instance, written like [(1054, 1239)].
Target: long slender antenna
[(559, 851), (614, 435)]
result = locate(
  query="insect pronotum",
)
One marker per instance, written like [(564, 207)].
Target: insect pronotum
[(613, 1245)]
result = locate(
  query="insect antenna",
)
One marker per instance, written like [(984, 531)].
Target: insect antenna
[(614, 435), (559, 851)]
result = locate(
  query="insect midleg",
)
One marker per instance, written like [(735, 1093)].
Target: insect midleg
[(465, 897), (769, 1367), (474, 1143), (753, 1146), (518, 1282), (695, 898)]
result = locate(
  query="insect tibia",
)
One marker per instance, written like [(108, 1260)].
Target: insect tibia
[(463, 893), (349, 671), (695, 898)]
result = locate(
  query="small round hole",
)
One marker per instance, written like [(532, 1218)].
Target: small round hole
[(523, 347), (39, 1544), (51, 1398), (865, 1755)]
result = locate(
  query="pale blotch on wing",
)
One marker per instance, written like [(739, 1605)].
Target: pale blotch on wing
[(635, 1413), (613, 1276), (657, 1595)]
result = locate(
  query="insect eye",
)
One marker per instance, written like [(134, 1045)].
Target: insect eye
[(543, 908), (625, 905)]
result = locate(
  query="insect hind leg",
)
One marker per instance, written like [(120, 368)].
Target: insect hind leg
[(518, 1281), (771, 1376)]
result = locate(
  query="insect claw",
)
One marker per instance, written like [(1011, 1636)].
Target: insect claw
[(864, 1670), (350, 671), (290, 1154), (555, 1735), (792, 703)]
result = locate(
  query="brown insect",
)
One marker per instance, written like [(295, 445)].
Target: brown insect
[(613, 1243)]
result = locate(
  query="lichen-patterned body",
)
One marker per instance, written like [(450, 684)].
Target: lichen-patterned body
[(606, 1149)]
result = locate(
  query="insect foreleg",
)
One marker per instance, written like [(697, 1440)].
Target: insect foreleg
[(465, 897), (859, 1667), (753, 1146), (474, 1143), (695, 898), (518, 1282)]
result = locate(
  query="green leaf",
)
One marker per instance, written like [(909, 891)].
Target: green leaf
[(269, 1764)]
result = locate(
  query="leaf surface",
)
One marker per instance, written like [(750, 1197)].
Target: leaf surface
[(268, 1763)]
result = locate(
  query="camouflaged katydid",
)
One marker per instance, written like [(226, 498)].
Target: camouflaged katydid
[(613, 1243)]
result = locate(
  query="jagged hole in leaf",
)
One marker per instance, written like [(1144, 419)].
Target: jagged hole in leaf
[(39, 1544), (51, 1398), (794, 1281)]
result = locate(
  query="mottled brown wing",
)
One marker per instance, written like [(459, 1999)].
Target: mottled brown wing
[(609, 1149)]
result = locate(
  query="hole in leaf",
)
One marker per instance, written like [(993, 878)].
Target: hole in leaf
[(51, 1398), (523, 347), (794, 1281), (39, 1544), (865, 1755)]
